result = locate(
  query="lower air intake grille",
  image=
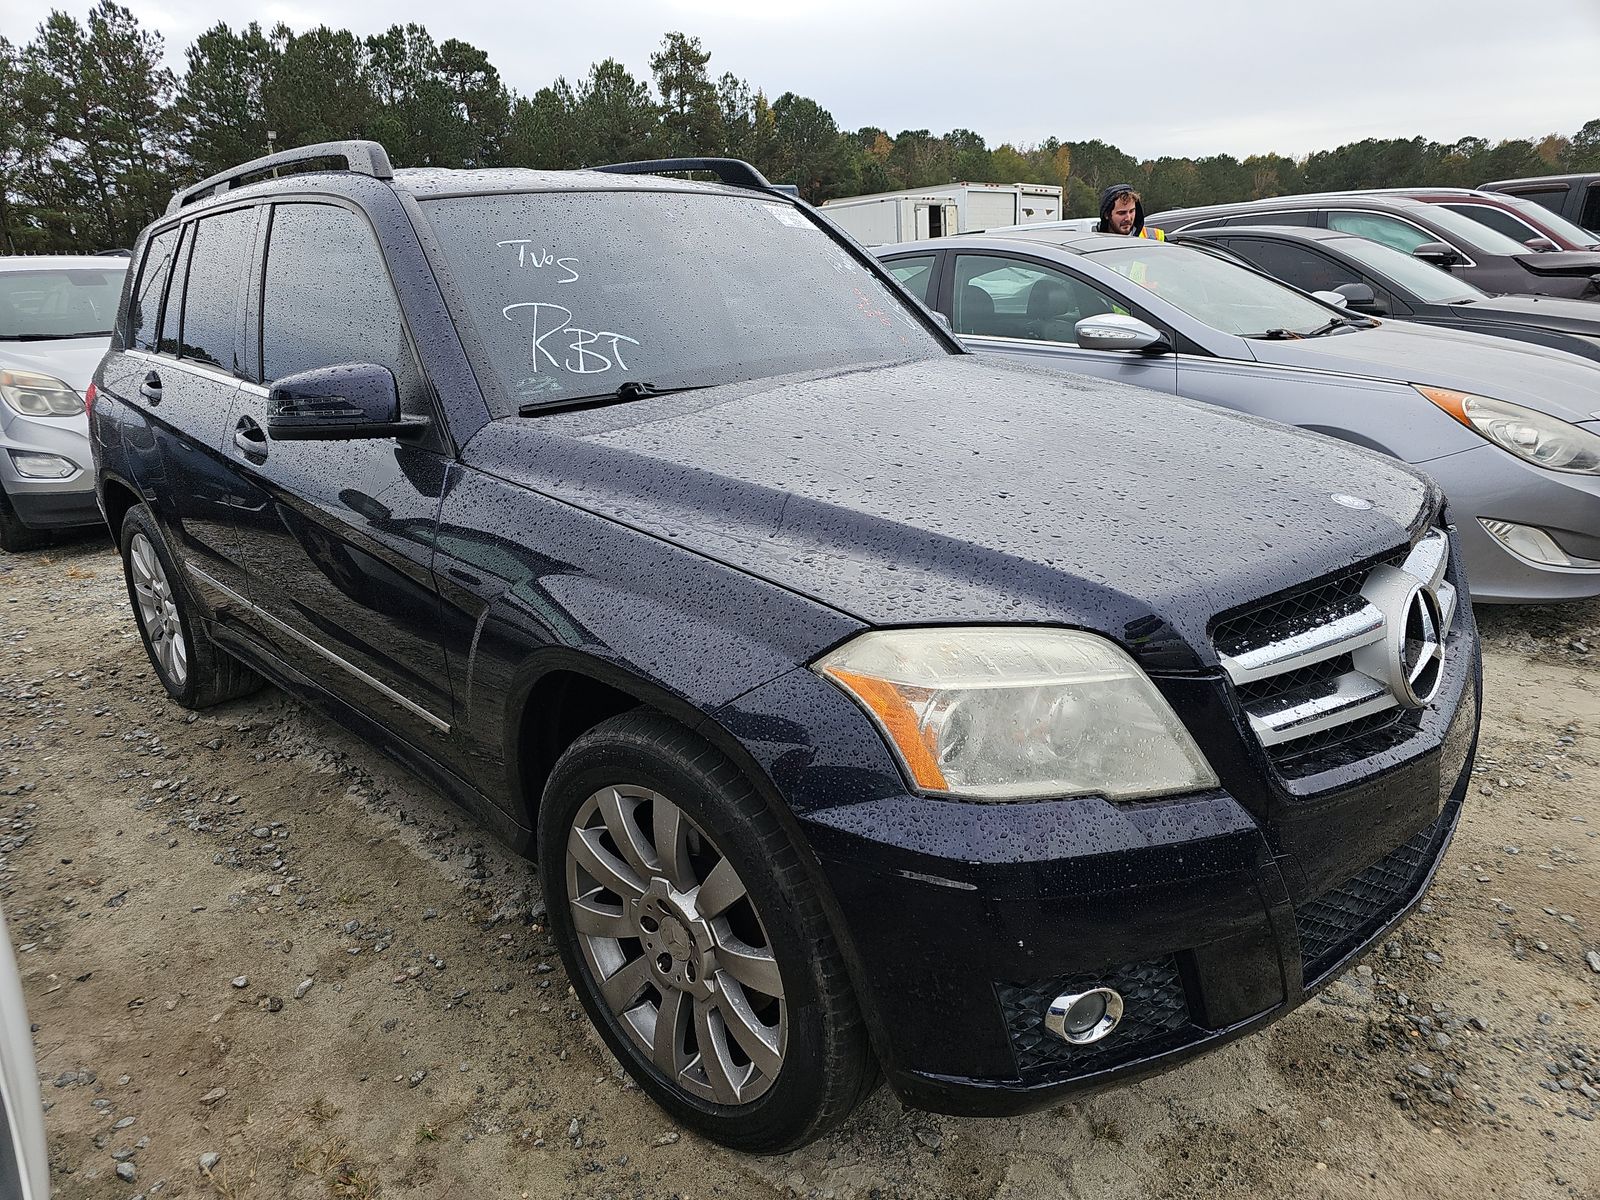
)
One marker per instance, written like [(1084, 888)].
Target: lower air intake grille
[(1156, 1018), (1338, 920)]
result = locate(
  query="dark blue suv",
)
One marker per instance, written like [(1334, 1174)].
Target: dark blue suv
[(870, 705)]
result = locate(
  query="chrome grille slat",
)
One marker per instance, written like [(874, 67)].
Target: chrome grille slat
[(1339, 636), (1322, 706), (1320, 702)]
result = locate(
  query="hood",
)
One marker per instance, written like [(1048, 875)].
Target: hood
[(71, 360), (1561, 262), (1550, 381), (1108, 198), (1541, 312), (960, 490)]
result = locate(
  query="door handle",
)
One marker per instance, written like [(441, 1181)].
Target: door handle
[(250, 438), (150, 389)]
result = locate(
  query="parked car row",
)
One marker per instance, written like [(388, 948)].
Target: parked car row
[(870, 705), (1426, 225)]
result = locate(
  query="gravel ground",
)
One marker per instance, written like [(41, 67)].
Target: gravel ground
[(262, 961)]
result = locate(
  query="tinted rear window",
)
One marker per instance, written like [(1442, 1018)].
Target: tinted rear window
[(574, 293), (145, 309), (218, 265)]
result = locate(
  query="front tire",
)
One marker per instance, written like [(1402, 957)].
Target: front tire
[(695, 939), (194, 670)]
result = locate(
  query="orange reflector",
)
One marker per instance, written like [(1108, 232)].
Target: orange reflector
[(899, 720), (1454, 403)]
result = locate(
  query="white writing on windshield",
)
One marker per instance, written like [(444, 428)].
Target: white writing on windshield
[(583, 351)]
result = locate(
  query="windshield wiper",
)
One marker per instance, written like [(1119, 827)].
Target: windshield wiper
[(633, 389)]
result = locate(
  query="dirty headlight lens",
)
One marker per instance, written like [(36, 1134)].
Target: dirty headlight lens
[(1018, 713), (38, 395), (1543, 440)]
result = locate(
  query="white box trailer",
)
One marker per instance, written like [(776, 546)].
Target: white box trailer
[(909, 216)]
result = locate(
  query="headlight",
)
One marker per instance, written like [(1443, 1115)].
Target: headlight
[(38, 395), (1543, 440), (1018, 713)]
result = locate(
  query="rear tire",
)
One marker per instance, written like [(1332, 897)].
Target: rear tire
[(195, 671), (695, 909), (16, 537)]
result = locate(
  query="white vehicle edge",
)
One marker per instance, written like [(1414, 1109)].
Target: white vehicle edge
[(24, 1163)]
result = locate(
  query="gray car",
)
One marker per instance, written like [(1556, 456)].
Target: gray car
[(1511, 431), (56, 313)]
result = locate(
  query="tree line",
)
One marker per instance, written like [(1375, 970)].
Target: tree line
[(96, 132)]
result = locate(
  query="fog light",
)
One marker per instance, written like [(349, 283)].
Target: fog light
[(1532, 544), (42, 466), (1084, 1017)]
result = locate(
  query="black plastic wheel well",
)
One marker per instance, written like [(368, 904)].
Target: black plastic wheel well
[(562, 707), (119, 498)]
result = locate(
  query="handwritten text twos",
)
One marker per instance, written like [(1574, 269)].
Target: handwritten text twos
[(530, 256)]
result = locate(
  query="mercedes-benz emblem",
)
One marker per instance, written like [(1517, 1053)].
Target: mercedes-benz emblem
[(1345, 500), (1409, 658), (1421, 650)]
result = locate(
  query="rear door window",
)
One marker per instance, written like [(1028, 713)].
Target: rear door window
[(213, 297), (327, 298), (145, 314)]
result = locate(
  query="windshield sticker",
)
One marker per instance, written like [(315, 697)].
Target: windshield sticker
[(580, 355), (529, 256), (785, 215)]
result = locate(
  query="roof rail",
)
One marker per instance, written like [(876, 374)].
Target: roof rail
[(363, 158), (735, 172)]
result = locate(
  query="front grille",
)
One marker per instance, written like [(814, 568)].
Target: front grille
[(1337, 921), (1308, 667), (1156, 1018)]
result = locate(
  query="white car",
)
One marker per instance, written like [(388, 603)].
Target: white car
[(56, 316), (24, 1167)]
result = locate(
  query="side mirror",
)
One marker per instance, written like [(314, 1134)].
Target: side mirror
[(353, 400), (1337, 299), (1438, 254), (1114, 331), (1540, 244), (1361, 298)]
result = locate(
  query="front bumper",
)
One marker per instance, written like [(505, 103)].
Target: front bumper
[(48, 503), (1183, 907), (1212, 914), (1489, 482)]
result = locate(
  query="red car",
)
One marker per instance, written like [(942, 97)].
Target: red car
[(1522, 220)]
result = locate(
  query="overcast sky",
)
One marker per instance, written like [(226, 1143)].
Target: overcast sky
[(1180, 77)]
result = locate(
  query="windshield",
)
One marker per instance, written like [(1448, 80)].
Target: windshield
[(1473, 234), (61, 303), (1428, 283), (1214, 291), (1543, 217), (573, 294)]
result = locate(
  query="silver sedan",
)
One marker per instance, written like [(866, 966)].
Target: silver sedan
[(1510, 430)]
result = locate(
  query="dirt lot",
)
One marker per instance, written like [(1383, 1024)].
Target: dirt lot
[(244, 934)]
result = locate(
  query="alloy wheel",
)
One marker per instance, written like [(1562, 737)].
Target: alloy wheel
[(158, 610), (678, 953)]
